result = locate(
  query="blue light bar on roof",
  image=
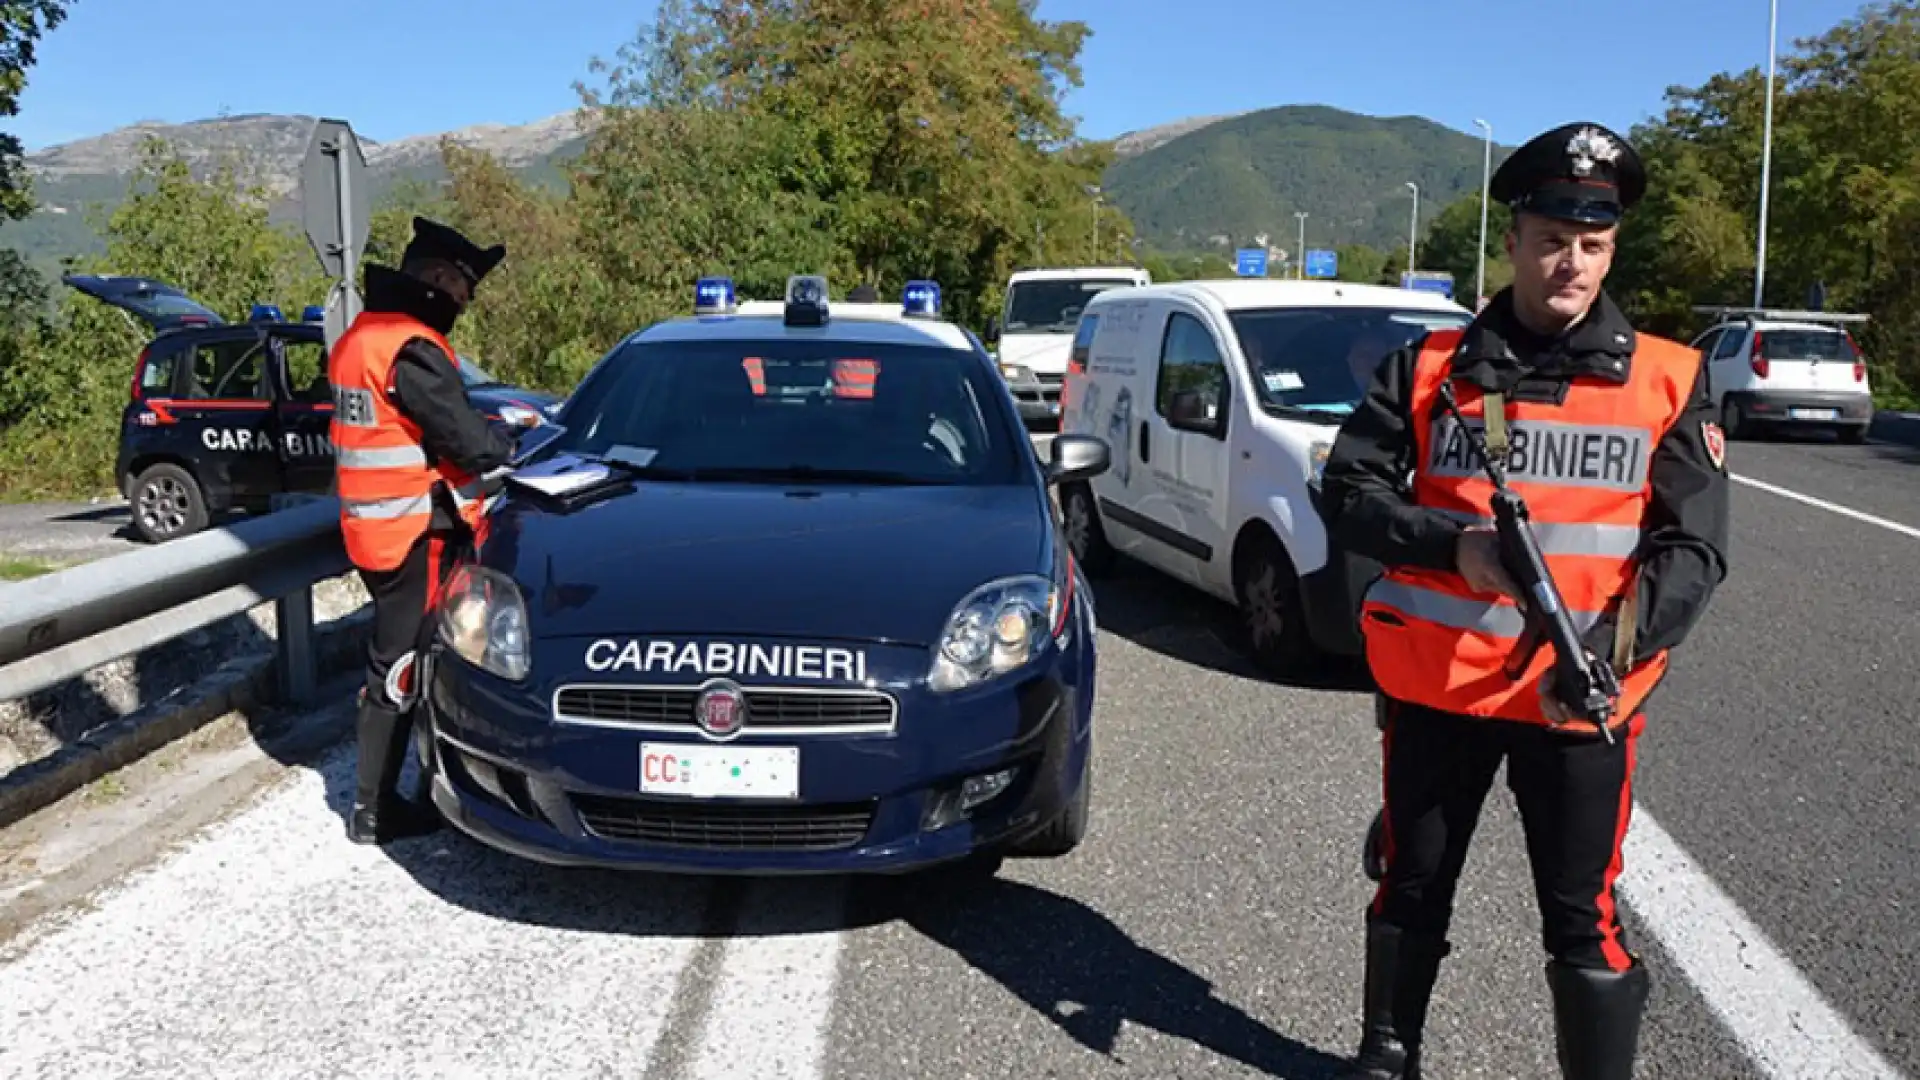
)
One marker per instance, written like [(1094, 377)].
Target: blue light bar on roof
[(713, 296), (265, 313), (921, 300), (314, 313)]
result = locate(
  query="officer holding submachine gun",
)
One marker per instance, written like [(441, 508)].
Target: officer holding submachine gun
[(1564, 528)]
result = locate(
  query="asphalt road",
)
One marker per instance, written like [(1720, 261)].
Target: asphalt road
[(1210, 926), (66, 532)]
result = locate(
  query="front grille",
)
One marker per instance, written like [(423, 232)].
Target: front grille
[(711, 827), (671, 708)]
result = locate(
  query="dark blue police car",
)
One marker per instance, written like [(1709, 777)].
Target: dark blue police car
[(781, 591)]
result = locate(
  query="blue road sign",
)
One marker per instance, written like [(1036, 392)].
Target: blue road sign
[(1250, 262), (1428, 281), (1322, 263)]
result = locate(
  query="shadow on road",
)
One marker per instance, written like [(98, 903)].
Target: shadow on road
[(1086, 974), (1182, 623)]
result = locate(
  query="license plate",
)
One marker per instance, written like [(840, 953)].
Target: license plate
[(1813, 414), (720, 772)]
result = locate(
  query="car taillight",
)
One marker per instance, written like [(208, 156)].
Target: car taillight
[(1859, 371), (139, 373), (1757, 357), (1859, 362)]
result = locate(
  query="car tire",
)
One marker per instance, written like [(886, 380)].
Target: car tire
[(1063, 833), (1273, 617), (1733, 422), (1854, 434), (166, 504), (1080, 517)]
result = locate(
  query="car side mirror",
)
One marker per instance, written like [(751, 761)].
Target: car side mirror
[(1191, 410), (1077, 457), (992, 336)]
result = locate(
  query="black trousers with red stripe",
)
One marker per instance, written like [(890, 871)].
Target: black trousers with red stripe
[(1575, 797), (403, 602)]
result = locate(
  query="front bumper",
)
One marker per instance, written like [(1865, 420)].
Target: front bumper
[(504, 772), (1848, 408), (1331, 596), (1038, 397)]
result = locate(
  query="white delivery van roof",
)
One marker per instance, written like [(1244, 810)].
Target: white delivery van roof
[(1075, 273), (1241, 294)]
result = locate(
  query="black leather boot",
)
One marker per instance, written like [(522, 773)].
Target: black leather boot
[(1401, 970), (380, 815), (1596, 1019)]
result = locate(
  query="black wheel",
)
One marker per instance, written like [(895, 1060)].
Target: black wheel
[(1373, 860), (167, 503), (1853, 436), (1273, 620), (1733, 422), (1085, 536), (1065, 832)]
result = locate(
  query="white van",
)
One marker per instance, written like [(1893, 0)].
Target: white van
[(1779, 369), (1221, 401), (1034, 331)]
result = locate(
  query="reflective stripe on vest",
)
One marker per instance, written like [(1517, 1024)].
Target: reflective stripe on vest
[(381, 472), (1583, 467)]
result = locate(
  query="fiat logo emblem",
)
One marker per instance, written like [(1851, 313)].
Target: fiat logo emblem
[(721, 710)]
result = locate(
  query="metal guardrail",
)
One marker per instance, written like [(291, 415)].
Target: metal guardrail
[(61, 625)]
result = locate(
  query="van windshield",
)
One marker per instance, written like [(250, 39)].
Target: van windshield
[(1321, 359), (1053, 307)]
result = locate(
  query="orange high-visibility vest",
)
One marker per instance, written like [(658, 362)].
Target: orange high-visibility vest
[(381, 472), (1583, 468)]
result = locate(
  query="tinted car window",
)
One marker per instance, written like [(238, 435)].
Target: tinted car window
[(1731, 342), (156, 375), (307, 369), (1805, 345), (229, 369), (732, 410), (1322, 358), (1035, 307), (1190, 363)]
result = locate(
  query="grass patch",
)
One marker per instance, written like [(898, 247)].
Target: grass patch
[(12, 569)]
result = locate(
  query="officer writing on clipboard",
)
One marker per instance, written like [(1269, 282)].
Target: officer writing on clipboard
[(1610, 437), (410, 452)]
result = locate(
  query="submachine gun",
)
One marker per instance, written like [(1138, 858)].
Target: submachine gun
[(1585, 684)]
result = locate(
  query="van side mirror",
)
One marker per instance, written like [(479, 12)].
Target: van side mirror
[(1192, 411), (992, 336), (1077, 457)]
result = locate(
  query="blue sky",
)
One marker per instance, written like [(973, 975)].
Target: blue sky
[(1515, 63)]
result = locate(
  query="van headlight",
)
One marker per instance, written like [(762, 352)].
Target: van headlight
[(1016, 373), (1001, 626), (483, 619)]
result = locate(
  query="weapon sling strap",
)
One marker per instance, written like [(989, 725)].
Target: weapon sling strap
[(1626, 627), (1494, 410)]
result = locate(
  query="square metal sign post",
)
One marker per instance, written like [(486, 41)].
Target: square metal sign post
[(335, 209)]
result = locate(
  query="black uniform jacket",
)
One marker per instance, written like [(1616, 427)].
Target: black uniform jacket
[(1368, 505), (427, 385)]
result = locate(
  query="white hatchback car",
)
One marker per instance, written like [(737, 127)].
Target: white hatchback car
[(1220, 401), (1772, 369)]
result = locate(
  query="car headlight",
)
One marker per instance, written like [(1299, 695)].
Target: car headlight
[(483, 619), (1000, 627), (520, 416)]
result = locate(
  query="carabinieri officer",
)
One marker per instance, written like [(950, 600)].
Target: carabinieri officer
[(1610, 437)]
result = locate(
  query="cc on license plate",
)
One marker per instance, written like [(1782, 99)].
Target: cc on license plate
[(1814, 414), (720, 772)]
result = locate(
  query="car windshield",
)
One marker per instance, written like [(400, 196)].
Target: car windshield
[(1053, 307), (474, 375), (1805, 345), (774, 411), (1320, 359)]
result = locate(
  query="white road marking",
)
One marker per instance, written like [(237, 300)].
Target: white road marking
[(1822, 504), (1779, 1018), (773, 1000), (271, 947)]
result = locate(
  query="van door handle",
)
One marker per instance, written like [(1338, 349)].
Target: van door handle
[(1146, 450)]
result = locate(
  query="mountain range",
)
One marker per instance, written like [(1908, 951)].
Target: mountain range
[(1207, 183)]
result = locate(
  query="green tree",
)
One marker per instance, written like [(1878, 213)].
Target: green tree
[(22, 24), (1358, 262), (1452, 243)]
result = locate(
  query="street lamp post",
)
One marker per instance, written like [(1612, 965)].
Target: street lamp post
[(1413, 229), (1300, 271), (1766, 160), (1486, 178)]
